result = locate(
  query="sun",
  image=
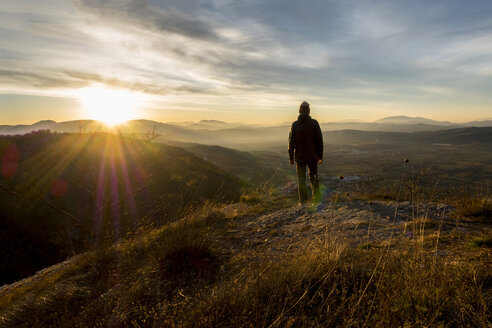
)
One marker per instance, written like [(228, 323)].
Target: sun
[(110, 106)]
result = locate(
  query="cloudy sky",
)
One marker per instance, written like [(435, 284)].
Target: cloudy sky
[(248, 60)]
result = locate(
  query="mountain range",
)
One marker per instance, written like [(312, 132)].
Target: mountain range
[(248, 136)]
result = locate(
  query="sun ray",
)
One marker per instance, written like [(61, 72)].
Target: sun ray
[(58, 159), (115, 208), (127, 184), (99, 201)]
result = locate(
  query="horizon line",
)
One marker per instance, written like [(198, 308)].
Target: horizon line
[(347, 121)]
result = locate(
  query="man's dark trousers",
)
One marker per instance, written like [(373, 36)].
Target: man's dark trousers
[(313, 178)]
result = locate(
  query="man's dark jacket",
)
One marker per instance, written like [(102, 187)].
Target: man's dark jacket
[(305, 140)]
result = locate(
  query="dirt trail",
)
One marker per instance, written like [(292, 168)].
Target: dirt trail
[(358, 222)]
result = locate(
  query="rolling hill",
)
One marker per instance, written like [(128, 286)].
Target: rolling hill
[(473, 135), (258, 169)]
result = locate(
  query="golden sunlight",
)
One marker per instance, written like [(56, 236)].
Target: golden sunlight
[(110, 106)]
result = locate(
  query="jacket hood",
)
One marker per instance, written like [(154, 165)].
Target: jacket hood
[(304, 117), (304, 108)]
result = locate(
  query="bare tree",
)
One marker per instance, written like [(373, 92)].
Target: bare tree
[(152, 134), (82, 127)]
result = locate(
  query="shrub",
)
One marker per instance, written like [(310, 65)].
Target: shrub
[(482, 242), (478, 208), (251, 197)]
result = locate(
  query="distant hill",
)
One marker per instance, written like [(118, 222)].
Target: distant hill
[(460, 136), (385, 127), (235, 135), (479, 123), (410, 120), (355, 137), (205, 124), (473, 135), (63, 193), (253, 168)]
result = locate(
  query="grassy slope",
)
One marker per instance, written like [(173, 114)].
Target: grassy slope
[(256, 168), (205, 271), (63, 193)]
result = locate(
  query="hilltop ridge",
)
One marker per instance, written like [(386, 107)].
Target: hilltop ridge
[(276, 262)]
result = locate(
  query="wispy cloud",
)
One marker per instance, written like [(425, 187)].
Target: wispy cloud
[(356, 53), (170, 19)]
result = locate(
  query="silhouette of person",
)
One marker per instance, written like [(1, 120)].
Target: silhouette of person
[(306, 148)]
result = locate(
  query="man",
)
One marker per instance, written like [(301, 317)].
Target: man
[(306, 147)]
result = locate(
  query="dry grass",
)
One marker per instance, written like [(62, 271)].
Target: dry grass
[(179, 276), (114, 286), (331, 285), (485, 241), (251, 197), (477, 208)]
